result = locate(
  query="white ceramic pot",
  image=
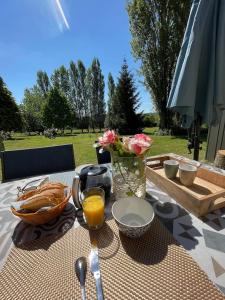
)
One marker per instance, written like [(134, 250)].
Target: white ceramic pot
[(187, 174)]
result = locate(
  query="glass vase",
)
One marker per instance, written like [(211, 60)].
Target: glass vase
[(129, 178)]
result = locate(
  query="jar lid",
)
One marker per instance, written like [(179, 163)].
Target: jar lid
[(94, 170)]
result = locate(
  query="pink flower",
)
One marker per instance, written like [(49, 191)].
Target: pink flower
[(140, 143), (126, 142), (108, 138), (144, 137)]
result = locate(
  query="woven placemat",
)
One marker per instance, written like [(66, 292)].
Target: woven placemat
[(152, 267)]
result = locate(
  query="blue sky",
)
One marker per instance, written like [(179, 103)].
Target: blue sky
[(44, 34)]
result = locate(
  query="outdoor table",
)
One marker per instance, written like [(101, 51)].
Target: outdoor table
[(37, 262)]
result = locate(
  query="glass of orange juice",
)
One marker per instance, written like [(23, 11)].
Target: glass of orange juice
[(93, 204)]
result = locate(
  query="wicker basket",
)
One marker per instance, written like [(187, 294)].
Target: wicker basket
[(42, 217)]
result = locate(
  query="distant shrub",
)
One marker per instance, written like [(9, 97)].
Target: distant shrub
[(162, 132), (5, 135), (150, 120), (50, 133), (31, 133)]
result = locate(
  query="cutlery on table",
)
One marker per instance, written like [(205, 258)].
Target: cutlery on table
[(81, 271), (95, 270)]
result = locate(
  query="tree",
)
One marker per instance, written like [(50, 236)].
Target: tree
[(30, 122), (125, 103), (57, 112), (10, 118), (150, 120), (32, 109), (157, 29), (89, 90), (95, 93), (73, 98), (43, 83), (83, 93), (111, 91), (100, 117), (78, 92), (60, 80)]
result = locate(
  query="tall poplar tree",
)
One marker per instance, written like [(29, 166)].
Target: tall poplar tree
[(60, 80), (111, 91), (157, 29), (74, 98), (78, 92), (89, 91), (95, 92), (83, 93), (43, 83)]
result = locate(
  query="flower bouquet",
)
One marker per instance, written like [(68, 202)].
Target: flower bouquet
[(127, 155)]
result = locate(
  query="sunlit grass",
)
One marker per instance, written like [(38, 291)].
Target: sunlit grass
[(84, 151), (168, 144)]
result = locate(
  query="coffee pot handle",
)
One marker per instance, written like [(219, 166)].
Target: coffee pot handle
[(76, 191)]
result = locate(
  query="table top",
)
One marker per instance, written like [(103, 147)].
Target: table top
[(203, 239)]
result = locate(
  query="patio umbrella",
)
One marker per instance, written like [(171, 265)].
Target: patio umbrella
[(198, 87)]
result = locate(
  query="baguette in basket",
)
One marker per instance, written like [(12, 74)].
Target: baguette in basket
[(42, 205), (46, 196)]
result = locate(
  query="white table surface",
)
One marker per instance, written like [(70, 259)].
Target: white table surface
[(203, 238)]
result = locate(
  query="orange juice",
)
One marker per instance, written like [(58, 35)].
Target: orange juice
[(93, 207)]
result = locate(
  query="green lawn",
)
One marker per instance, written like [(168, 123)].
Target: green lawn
[(167, 144), (85, 153)]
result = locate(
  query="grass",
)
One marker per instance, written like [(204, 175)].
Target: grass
[(167, 144), (85, 153)]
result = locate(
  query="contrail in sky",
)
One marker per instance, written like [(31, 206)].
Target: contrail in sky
[(60, 10)]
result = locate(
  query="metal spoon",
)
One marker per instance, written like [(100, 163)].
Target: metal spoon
[(81, 271)]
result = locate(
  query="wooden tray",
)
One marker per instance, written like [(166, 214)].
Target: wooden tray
[(205, 195)]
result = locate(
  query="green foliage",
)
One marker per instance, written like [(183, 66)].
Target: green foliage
[(84, 123), (157, 29), (10, 118), (83, 91), (151, 120), (33, 103), (31, 123), (111, 91), (60, 80), (43, 83), (78, 93), (125, 103), (32, 109), (76, 104), (57, 112), (95, 93)]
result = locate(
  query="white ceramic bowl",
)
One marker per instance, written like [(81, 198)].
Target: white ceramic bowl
[(133, 216)]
